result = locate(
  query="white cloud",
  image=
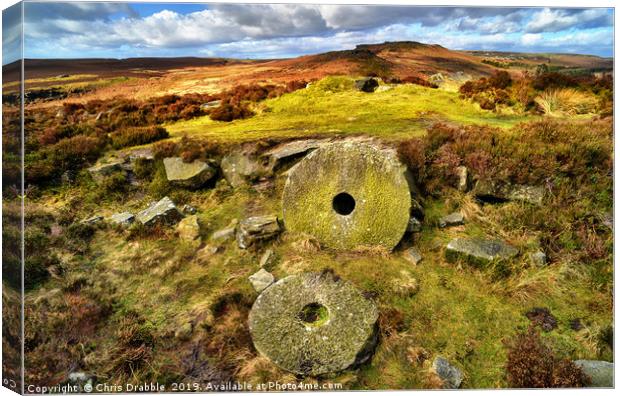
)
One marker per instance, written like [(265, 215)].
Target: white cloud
[(556, 20)]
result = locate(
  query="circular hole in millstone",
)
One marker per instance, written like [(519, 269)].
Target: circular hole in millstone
[(314, 314), (343, 203)]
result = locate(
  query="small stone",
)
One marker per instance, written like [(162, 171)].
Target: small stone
[(190, 175), (162, 212), (450, 375), (103, 169), (77, 377), (225, 233), (210, 105), (189, 229), (123, 219), (538, 258), (479, 251), (206, 252), (453, 219), (495, 192), (601, 372), (413, 255), (261, 280), (257, 228), (266, 258), (463, 182), (92, 220), (414, 225), (242, 168), (184, 332), (188, 209), (367, 84)]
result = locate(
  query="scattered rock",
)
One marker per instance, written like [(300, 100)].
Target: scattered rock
[(367, 84), (101, 170), (79, 377), (208, 251), (184, 332), (190, 175), (266, 258), (188, 209), (494, 192), (479, 251), (538, 258), (575, 324), (313, 324), (384, 88), (414, 225), (96, 219), (225, 233), (123, 219), (210, 105), (261, 280), (450, 375), (413, 255), (189, 229), (162, 212), (542, 317), (601, 372), (462, 183), (257, 228), (436, 78), (290, 150), (347, 195), (242, 168), (453, 219)]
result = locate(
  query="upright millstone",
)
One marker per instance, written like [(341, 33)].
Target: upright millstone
[(348, 195)]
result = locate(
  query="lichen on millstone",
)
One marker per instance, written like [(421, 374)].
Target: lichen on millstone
[(313, 324), (190, 175), (161, 212), (348, 195), (479, 251)]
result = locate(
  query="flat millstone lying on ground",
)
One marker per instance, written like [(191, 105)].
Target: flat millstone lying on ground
[(257, 228), (479, 251), (191, 175), (162, 212), (342, 334)]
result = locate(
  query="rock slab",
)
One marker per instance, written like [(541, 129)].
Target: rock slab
[(601, 372), (190, 175), (163, 212), (479, 251), (261, 280), (450, 375), (453, 219), (257, 228), (123, 219)]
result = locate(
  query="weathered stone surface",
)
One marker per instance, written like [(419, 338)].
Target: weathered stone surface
[(257, 228), (313, 324), (414, 225), (211, 105), (384, 88), (162, 212), (190, 175), (261, 280), (367, 84), (103, 169), (189, 229), (348, 195), (225, 233), (601, 372), (462, 183), (500, 192), (124, 218), (413, 255), (453, 219), (292, 149), (266, 258), (450, 375), (241, 168), (538, 258), (479, 251)]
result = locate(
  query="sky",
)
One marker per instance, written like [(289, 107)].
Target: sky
[(123, 30)]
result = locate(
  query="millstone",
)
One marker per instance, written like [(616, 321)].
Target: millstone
[(313, 324), (348, 195)]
